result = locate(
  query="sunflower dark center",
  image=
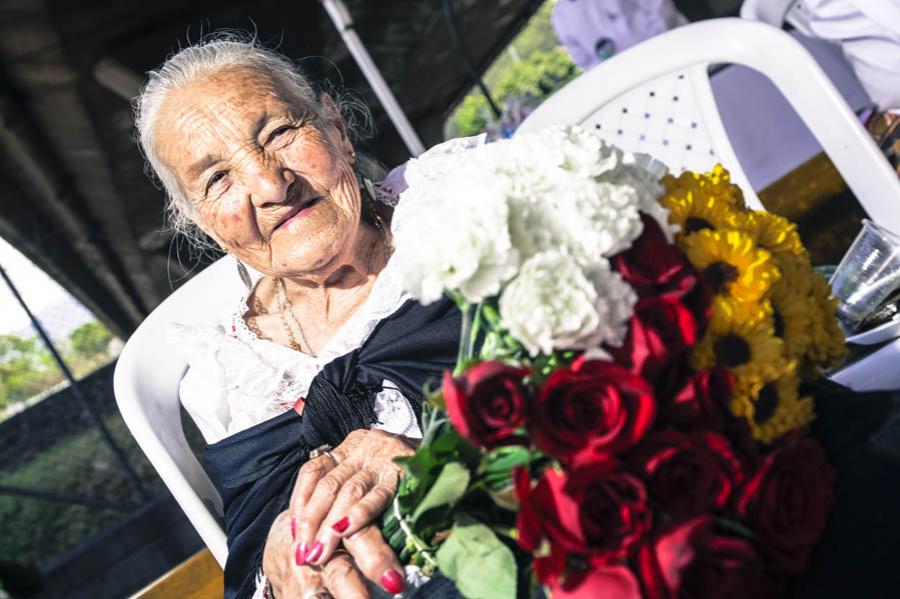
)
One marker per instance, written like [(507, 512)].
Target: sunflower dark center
[(695, 223), (779, 323), (732, 350), (719, 274), (766, 403)]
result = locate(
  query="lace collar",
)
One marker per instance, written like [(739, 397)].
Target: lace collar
[(385, 298)]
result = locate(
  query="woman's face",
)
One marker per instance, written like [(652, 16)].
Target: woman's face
[(271, 183)]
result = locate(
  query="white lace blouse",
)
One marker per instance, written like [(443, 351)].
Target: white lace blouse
[(236, 380)]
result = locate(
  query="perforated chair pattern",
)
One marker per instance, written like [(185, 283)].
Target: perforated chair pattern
[(669, 118)]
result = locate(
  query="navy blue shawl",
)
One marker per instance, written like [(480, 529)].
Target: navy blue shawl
[(254, 470)]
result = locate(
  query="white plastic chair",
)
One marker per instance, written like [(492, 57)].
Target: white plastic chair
[(619, 94), (146, 382), (677, 62)]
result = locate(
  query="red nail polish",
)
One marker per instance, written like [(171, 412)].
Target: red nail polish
[(341, 525), (392, 582), (293, 529), (315, 552), (299, 555)]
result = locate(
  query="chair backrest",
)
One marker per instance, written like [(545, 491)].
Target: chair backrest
[(146, 383), (679, 60)]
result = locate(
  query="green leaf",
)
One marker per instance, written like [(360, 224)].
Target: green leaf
[(497, 466), (477, 561), (450, 486)]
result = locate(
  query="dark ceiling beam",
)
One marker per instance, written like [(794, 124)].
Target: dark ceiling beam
[(36, 217), (54, 101), (117, 78)]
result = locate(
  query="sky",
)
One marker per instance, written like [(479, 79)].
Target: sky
[(43, 295)]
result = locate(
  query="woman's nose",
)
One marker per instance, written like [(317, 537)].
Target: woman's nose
[(269, 183)]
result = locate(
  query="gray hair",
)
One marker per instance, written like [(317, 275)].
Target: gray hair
[(216, 52)]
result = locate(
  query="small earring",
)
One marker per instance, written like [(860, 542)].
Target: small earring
[(244, 274), (370, 188)]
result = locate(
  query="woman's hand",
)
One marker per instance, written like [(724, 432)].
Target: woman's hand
[(335, 498), (338, 578)]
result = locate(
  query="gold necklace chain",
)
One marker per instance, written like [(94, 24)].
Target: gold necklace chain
[(285, 306)]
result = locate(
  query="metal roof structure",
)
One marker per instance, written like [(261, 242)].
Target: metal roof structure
[(73, 194)]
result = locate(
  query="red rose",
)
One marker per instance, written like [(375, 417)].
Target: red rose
[(660, 331), (601, 580), (688, 474), (786, 502), (702, 399), (595, 513), (548, 513), (487, 404), (591, 409), (694, 560), (652, 265), (613, 510)]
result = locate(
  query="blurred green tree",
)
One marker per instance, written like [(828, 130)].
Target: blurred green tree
[(91, 338), (26, 369), (542, 73), (533, 64)]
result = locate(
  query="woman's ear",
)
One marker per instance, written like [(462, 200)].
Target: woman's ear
[(333, 117)]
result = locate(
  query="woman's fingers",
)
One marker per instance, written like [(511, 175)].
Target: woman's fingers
[(331, 513), (342, 579), (302, 583), (312, 505), (375, 559), (307, 478), (369, 508), (362, 500)]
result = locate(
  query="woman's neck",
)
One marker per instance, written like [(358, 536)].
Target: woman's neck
[(354, 269)]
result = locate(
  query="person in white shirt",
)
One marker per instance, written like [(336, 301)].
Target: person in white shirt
[(868, 31), (594, 30)]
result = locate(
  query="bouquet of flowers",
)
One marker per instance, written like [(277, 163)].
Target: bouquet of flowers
[(626, 417)]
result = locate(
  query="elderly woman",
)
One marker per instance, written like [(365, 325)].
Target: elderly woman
[(311, 386)]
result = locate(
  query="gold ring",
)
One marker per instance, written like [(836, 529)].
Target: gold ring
[(322, 450)]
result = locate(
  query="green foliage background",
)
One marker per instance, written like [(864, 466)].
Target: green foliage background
[(27, 368), (532, 64)]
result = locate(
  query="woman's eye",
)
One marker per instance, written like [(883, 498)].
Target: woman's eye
[(217, 176), (280, 131)]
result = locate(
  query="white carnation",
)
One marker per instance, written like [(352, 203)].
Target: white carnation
[(554, 303), (452, 235), (571, 192)]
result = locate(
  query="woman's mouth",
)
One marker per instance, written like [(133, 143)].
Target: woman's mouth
[(297, 212)]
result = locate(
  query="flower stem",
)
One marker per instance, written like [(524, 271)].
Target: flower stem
[(465, 342)]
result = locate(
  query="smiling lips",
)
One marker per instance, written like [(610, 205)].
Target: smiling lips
[(296, 211)]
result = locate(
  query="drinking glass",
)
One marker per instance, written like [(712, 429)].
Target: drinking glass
[(867, 275)]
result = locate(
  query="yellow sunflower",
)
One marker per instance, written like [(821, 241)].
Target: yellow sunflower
[(772, 232), (741, 337), (796, 271), (698, 201), (772, 407), (793, 312), (828, 346), (731, 263)]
